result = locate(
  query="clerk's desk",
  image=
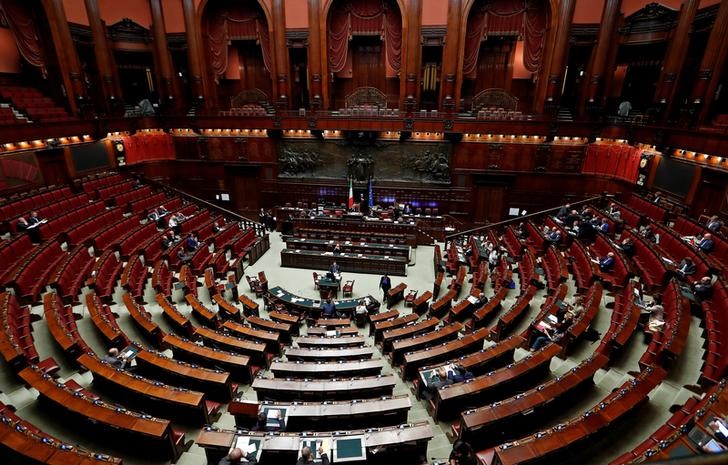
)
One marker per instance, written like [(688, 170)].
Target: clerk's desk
[(405, 444), (345, 414)]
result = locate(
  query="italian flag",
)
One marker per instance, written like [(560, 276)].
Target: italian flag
[(351, 194)]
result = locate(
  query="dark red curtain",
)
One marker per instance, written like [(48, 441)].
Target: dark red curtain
[(525, 19), (364, 17), (226, 21), (19, 17), (616, 160)]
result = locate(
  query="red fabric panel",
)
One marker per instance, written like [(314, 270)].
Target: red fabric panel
[(364, 17), (144, 147), (523, 18), (224, 22), (19, 16)]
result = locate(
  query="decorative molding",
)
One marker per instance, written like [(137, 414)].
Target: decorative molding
[(650, 19), (127, 30)]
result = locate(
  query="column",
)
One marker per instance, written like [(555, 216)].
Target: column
[(280, 50), (451, 59), (66, 54), (194, 64), (102, 54), (594, 93), (314, 53), (560, 53), (410, 72), (167, 93), (675, 57), (712, 64)]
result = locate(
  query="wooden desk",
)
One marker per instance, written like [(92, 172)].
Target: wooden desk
[(445, 333), (395, 295), (351, 263), (340, 415), (226, 310), (415, 360), (250, 307), (269, 338), (310, 307), (347, 246), (333, 322), (182, 405), (420, 304), (301, 369), (321, 331), (349, 388), (206, 316), (386, 325), (394, 444), (180, 322), (255, 350), (149, 430), (343, 341), (342, 353), (486, 387), (442, 306), (480, 424), (378, 317), (283, 329), (215, 383), (389, 336), (238, 365)]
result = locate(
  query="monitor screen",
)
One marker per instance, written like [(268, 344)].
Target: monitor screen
[(349, 449)]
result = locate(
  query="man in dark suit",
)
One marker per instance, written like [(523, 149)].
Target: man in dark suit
[(686, 268), (607, 263), (385, 284), (706, 243)]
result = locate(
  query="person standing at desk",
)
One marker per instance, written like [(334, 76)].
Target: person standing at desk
[(307, 456), (385, 284), (335, 270)]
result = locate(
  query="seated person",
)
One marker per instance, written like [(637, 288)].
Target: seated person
[(112, 358), (459, 374), (647, 233), (261, 423), (307, 456), (24, 226), (549, 335), (34, 218), (705, 244), (361, 308), (216, 228), (183, 256), (572, 217), (328, 309), (607, 263), (162, 211), (235, 457), (703, 289), (337, 249), (656, 320), (627, 247), (719, 429), (554, 235), (614, 212), (192, 242), (462, 454), (439, 380), (153, 215), (686, 268), (604, 226), (168, 240), (714, 224)]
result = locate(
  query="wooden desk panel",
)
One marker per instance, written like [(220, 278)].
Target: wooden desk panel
[(444, 334), (238, 365), (388, 337), (349, 388), (359, 263), (342, 353), (300, 369)]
